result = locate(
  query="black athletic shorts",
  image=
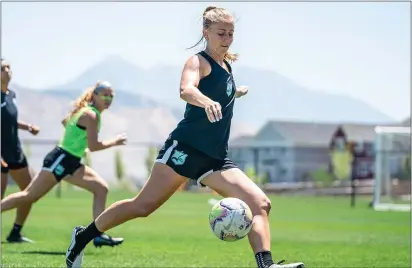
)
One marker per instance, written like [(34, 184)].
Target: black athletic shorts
[(61, 163), (190, 162), (15, 160)]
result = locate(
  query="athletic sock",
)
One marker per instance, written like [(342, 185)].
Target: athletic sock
[(264, 259), (83, 237), (16, 229)]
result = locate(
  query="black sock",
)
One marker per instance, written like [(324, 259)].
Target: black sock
[(16, 229), (264, 259), (86, 235)]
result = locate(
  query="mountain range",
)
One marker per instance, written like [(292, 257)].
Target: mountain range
[(271, 95), (147, 105)]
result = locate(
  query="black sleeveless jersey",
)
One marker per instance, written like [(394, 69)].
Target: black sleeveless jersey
[(195, 129), (10, 142)]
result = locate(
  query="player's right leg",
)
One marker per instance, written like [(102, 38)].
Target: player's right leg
[(230, 181), (160, 186)]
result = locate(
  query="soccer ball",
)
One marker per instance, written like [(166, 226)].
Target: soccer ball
[(231, 219)]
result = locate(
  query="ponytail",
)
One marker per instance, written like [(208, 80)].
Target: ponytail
[(231, 57), (83, 101)]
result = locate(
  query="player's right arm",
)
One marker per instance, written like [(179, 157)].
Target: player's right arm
[(189, 92), (90, 121)]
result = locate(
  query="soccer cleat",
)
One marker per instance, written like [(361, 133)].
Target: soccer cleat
[(106, 240), (290, 265), (74, 258), (18, 238)]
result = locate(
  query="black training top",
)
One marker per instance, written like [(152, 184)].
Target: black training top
[(10, 142), (195, 129)]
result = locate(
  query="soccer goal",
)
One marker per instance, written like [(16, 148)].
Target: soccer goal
[(392, 185)]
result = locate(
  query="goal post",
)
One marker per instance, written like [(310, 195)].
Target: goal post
[(392, 183)]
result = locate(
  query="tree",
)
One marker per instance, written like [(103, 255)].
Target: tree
[(150, 159), (119, 165), (27, 149), (258, 179), (406, 170)]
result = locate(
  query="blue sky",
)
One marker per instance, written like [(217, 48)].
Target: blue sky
[(359, 49)]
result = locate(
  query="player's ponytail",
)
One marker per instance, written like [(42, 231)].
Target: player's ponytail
[(83, 101), (231, 57)]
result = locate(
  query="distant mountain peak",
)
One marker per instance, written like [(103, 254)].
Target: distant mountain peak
[(112, 68), (272, 95), (115, 61)]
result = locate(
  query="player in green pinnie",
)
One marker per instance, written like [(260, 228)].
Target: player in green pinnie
[(82, 126)]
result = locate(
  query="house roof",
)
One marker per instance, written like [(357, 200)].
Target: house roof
[(310, 134), (241, 140), (320, 134), (306, 133)]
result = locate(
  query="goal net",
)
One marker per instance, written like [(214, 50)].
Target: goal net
[(392, 185)]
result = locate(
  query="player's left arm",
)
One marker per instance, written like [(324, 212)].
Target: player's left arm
[(28, 127), (241, 91)]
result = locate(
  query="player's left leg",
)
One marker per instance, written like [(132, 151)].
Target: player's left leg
[(161, 185), (232, 182), (86, 178), (21, 174)]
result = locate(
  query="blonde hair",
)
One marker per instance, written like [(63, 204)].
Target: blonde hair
[(213, 15), (83, 101)]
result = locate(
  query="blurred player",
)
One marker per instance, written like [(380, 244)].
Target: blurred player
[(13, 160), (197, 148), (82, 126)]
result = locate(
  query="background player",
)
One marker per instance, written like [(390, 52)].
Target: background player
[(14, 161), (197, 148), (64, 161)]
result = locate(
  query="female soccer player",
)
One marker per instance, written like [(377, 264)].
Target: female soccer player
[(82, 126), (197, 148), (13, 160)]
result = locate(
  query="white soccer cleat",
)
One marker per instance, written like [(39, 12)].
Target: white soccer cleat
[(289, 265), (74, 260)]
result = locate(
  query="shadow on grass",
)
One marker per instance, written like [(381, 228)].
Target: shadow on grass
[(35, 252), (44, 252)]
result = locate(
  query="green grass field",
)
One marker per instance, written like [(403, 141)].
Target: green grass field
[(322, 232)]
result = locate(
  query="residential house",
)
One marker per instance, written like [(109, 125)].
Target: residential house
[(288, 151)]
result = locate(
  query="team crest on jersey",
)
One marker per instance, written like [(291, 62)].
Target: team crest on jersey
[(229, 88), (179, 158)]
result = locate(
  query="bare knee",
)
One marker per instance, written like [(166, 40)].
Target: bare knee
[(28, 198), (262, 206), (142, 209), (266, 205), (102, 189)]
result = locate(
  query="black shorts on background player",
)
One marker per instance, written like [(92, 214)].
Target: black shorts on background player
[(61, 163), (15, 160), (189, 162)]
